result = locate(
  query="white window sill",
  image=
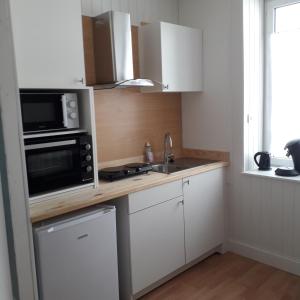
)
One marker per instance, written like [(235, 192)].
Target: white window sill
[(271, 174)]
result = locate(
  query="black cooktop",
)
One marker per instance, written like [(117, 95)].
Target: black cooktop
[(120, 172)]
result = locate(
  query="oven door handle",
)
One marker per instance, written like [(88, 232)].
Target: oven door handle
[(50, 145), (64, 109)]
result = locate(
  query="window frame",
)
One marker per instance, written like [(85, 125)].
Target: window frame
[(270, 6)]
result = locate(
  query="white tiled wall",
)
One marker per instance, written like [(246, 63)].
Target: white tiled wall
[(140, 10)]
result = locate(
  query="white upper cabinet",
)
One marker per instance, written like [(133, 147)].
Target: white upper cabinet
[(48, 43), (171, 55)]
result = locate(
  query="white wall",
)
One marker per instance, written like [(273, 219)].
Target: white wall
[(207, 115), (263, 213), (140, 10), (5, 282)]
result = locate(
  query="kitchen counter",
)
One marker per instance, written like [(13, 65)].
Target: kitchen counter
[(62, 204)]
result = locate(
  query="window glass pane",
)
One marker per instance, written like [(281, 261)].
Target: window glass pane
[(285, 90), (285, 79), (287, 18)]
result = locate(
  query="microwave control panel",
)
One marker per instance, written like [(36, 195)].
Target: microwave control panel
[(71, 114)]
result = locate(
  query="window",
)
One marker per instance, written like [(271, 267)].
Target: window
[(282, 66)]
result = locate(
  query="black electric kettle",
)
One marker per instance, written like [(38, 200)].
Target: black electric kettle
[(264, 162)]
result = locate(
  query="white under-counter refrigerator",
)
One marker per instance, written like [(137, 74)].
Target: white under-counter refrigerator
[(76, 256)]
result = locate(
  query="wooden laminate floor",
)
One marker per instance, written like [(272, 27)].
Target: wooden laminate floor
[(229, 277)]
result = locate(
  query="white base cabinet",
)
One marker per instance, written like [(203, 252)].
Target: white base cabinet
[(48, 43), (156, 243), (150, 227), (203, 212), (162, 229)]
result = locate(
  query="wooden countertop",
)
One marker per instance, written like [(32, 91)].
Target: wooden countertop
[(62, 204)]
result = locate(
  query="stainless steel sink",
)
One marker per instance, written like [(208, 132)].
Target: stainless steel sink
[(170, 168), (180, 164)]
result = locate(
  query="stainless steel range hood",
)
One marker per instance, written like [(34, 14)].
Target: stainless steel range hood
[(113, 52)]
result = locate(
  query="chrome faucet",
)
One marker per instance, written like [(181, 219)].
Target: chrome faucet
[(168, 144)]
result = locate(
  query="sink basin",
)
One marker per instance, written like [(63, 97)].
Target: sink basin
[(180, 164), (170, 168)]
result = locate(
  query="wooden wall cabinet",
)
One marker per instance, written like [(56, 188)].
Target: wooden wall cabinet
[(48, 43), (203, 212), (171, 55)]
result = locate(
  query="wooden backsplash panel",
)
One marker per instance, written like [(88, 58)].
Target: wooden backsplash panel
[(126, 119)]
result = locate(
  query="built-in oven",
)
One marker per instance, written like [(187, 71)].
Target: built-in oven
[(59, 162), (48, 111)]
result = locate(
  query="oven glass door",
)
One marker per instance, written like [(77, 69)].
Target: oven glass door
[(42, 112), (52, 165)]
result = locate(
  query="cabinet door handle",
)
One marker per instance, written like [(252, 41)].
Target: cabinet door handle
[(80, 80), (181, 202), (186, 182)]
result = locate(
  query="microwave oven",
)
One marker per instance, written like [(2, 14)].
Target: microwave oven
[(48, 111), (59, 162)]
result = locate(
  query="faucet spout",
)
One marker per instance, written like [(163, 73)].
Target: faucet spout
[(168, 145)]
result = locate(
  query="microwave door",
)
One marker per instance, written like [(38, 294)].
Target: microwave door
[(42, 112), (52, 165)]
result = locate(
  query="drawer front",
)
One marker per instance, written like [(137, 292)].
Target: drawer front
[(153, 196)]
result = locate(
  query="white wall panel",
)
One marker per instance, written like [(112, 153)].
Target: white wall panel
[(86, 6), (296, 227), (105, 6), (265, 188), (276, 234), (124, 5), (116, 5), (207, 116), (288, 219), (140, 10), (266, 219)]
